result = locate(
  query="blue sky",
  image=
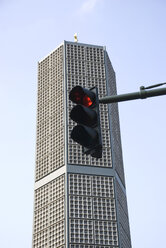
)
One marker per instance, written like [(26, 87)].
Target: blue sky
[(134, 35)]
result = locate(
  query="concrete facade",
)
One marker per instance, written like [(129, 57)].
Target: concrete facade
[(80, 202)]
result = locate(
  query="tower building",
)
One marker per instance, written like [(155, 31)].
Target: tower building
[(80, 201)]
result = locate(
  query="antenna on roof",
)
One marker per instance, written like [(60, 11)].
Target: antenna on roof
[(75, 37)]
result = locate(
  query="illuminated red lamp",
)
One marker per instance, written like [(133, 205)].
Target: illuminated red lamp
[(82, 96)]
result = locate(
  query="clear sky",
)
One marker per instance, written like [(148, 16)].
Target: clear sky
[(134, 33)]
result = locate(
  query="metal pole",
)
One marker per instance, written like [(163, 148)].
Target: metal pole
[(142, 94)]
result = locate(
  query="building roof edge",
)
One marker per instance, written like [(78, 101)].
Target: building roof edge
[(72, 43), (62, 43)]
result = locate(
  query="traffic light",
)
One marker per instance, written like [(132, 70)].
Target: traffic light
[(86, 113)]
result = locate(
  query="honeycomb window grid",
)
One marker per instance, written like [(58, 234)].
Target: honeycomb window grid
[(81, 231), (80, 69)]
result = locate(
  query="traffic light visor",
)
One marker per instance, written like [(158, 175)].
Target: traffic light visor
[(82, 96)]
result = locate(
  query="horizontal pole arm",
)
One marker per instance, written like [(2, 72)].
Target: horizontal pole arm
[(142, 94)]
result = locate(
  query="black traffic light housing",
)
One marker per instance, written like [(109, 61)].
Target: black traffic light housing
[(86, 113)]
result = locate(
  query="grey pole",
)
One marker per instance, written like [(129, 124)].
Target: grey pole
[(142, 94)]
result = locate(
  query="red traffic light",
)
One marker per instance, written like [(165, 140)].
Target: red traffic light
[(86, 114), (87, 102), (82, 96)]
